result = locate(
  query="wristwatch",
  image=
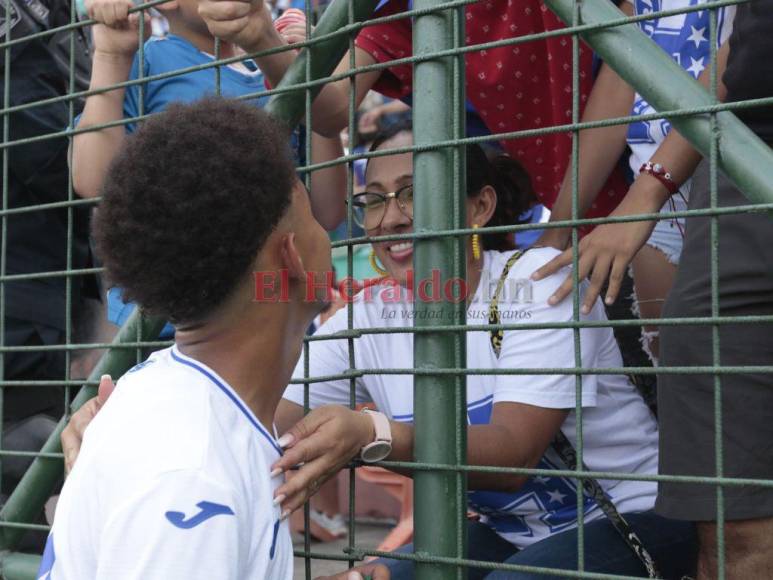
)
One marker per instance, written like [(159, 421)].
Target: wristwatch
[(382, 445)]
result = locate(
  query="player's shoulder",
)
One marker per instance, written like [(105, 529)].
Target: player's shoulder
[(159, 415), (161, 377), (233, 427)]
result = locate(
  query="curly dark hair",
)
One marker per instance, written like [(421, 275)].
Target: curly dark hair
[(509, 179), (189, 202)]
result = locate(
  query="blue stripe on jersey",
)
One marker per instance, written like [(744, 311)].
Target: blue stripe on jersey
[(478, 412), (230, 395), (48, 559), (273, 541)]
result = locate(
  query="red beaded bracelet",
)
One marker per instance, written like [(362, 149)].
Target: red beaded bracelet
[(659, 172)]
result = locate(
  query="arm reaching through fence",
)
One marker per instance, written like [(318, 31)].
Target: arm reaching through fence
[(116, 39), (329, 437), (606, 252), (599, 150)]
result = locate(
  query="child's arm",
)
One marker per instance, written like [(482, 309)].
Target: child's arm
[(116, 40), (606, 252), (328, 186), (599, 149), (599, 152), (248, 24)]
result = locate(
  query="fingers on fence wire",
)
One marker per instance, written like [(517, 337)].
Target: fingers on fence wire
[(292, 25), (295, 33), (241, 22), (109, 12), (117, 32)]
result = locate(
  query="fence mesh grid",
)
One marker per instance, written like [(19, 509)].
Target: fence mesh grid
[(439, 237)]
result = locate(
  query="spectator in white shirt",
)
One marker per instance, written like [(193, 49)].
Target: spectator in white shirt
[(512, 418)]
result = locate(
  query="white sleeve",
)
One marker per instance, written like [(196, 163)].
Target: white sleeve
[(182, 525), (548, 348), (326, 358)]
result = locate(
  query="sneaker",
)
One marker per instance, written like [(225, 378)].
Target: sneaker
[(331, 525)]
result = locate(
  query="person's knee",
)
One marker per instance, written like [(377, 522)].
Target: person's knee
[(402, 569), (28, 435), (35, 431), (748, 548)]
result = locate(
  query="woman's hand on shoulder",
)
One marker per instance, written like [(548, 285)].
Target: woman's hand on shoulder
[(246, 23), (604, 254)]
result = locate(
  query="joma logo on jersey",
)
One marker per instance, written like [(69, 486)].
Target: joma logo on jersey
[(207, 509)]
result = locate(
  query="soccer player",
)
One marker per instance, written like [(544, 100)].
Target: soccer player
[(174, 476)]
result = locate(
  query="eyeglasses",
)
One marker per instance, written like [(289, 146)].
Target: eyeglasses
[(369, 208)]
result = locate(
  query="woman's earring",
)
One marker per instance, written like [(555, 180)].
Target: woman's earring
[(475, 243), (375, 265)]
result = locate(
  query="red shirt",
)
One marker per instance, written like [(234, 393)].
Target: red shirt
[(513, 88)]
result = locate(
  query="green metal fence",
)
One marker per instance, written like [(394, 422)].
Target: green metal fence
[(440, 368)]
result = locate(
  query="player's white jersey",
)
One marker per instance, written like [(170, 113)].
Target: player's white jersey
[(173, 481)]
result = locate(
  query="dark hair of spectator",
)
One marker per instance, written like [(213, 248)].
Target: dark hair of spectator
[(508, 178), (189, 202)]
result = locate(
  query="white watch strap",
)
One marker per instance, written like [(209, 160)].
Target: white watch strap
[(381, 425)]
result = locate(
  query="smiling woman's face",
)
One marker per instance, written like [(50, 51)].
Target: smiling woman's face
[(393, 173), (385, 175)]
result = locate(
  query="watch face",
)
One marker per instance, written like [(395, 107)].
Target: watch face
[(375, 451)]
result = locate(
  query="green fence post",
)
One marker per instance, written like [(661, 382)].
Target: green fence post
[(744, 157), (439, 401), (19, 567), (29, 496)]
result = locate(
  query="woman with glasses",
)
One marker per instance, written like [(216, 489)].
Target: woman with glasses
[(514, 420)]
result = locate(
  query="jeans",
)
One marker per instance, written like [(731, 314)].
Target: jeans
[(673, 544)]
